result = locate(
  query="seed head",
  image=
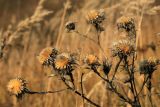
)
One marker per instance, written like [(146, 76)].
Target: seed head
[(17, 87), (47, 55), (64, 63), (148, 66), (123, 48), (106, 67), (126, 23), (61, 61), (95, 16), (70, 26)]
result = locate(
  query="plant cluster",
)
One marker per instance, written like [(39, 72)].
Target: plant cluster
[(65, 64)]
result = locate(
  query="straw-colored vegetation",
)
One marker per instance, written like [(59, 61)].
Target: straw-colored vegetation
[(80, 53)]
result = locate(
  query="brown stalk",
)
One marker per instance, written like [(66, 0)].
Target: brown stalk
[(78, 93)]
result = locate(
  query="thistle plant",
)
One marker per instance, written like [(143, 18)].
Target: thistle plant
[(18, 87), (65, 64)]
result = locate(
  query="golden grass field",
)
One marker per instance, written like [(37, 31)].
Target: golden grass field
[(28, 26)]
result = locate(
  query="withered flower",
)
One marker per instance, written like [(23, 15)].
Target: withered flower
[(17, 87), (64, 63), (92, 63), (70, 26), (123, 48), (47, 56), (96, 17), (148, 66), (127, 24), (106, 67)]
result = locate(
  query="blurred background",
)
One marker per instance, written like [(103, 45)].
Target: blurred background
[(19, 59)]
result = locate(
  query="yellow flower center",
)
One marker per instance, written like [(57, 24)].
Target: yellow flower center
[(61, 63), (93, 14), (15, 86), (124, 19)]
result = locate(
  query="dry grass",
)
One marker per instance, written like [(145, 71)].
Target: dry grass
[(25, 34)]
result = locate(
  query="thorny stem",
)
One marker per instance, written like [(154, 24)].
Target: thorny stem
[(119, 94), (91, 102), (98, 36), (82, 88), (116, 69), (45, 92), (112, 87), (149, 86), (150, 94), (72, 79), (85, 36), (78, 93), (94, 41), (97, 73), (130, 75), (99, 43), (145, 80), (132, 81)]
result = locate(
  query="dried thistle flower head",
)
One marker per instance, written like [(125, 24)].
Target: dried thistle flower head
[(17, 87), (126, 23), (61, 61), (70, 26), (47, 55), (148, 66), (91, 60), (64, 63), (123, 48), (95, 16)]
